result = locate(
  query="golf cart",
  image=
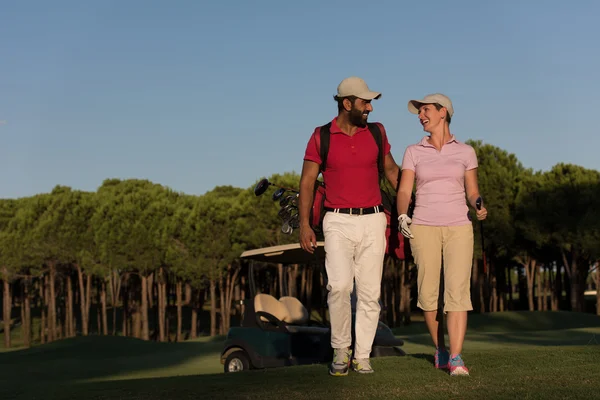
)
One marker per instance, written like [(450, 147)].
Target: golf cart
[(279, 332)]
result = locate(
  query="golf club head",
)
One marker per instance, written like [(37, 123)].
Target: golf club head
[(277, 194), (294, 221), (261, 186), (478, 203), (286, 200), (286, 228), (285, 213)]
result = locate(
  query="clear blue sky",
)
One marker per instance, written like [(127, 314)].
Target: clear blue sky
[(194, 94)]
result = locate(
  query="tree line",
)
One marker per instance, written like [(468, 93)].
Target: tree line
[(139, 259)]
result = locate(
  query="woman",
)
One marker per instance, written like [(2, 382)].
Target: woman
[(440, 228)]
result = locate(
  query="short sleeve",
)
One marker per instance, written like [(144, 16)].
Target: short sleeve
[(408, 161), (312, 148), (471, 161)]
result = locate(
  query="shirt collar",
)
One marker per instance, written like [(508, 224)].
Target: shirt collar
[(425, 141), (336, 129)]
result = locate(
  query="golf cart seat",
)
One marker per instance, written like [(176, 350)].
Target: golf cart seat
[(268, 304), (290, 313), (298, 314)]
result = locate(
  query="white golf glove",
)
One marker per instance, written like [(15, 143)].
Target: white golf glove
[(404, 221)]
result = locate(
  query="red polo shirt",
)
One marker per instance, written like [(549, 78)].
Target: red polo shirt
[(351, 175)]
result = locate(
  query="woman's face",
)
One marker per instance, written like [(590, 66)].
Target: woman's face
[(430, 117)]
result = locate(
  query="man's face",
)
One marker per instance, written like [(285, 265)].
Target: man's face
[(359, 113)]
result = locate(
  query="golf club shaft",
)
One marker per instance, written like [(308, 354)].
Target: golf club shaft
[(478, 203)]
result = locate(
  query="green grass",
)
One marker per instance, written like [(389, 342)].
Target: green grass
[(510, 355)]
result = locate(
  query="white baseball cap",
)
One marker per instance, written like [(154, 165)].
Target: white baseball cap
[(355, 86), (435, 98)]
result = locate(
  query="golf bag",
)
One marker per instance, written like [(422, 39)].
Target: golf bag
[(394, 239)]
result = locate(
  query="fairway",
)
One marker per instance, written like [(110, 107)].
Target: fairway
[(510, 355)]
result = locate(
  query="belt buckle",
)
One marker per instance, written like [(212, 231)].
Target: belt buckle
[(361, 211)]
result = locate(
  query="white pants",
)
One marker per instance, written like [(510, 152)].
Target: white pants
[(354, 251)]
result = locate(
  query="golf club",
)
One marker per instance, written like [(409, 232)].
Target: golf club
[(264, 184), (290, 199), (478, 204), (278, 194)]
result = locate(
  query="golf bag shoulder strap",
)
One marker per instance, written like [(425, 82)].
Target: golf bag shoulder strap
[(325, 133), (376, 132)]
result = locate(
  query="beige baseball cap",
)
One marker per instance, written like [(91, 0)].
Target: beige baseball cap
[(355, 86), (435, 98)]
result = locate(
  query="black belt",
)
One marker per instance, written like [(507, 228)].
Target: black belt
[(356, 211)]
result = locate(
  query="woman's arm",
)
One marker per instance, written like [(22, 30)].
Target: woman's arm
[(471, 186), (407, 180)]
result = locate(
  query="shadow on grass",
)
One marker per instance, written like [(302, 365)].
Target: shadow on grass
[(103, 357), (421, 356)]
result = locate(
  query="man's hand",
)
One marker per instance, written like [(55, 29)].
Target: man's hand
[(404, 221), (308, 239)]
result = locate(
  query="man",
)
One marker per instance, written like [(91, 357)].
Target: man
[(354, 224)]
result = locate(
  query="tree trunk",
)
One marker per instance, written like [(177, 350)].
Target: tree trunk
[(179, 296), (85, 299), (572, 269), (309, 289), (511, 289), (213, 307), (103, 307), (481, 281), (597, 289), (136, 320), (556, 292), (161, 313), (188, 295), (530, 265), (144, 310), (243, 296), (540, 291), (26, 313), (43, 296), (303, 284), (194, 321), (114, 283), (70, 318), (229, 296), (403, 298), (7, 308), (222, 306), (149, 287), (126, 303), (52, 303), (280, 276), (165, 305)]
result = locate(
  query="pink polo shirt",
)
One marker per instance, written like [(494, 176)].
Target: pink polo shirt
[(440, 176)]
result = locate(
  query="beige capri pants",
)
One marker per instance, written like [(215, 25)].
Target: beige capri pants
[(453, 245)]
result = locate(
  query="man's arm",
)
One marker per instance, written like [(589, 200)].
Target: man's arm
[(310, 172), (392, 171)]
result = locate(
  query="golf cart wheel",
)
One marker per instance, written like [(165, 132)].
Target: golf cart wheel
[(236, 362)]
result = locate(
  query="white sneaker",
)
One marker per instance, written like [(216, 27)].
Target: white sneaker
[(362, 366)]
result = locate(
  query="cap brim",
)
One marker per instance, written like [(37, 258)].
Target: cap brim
[(369, 95), (414, 105)]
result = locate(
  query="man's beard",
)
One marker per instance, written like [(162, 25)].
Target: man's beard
[(356, 118)]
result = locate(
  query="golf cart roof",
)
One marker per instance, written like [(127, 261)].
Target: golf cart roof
[(286, 254)]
